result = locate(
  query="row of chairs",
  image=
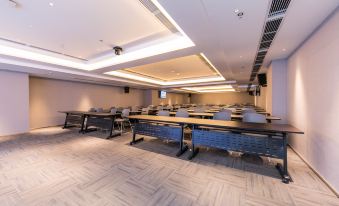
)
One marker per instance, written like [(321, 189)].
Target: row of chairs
[(121, 121), (225, 114)]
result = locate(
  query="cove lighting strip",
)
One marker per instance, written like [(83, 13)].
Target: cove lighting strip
[(163, 83), (220, 88), (176, 42), (126, 75)]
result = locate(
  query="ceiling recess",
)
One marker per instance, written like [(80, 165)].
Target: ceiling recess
[(274, 19)]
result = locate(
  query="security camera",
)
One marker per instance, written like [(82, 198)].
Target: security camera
[(117, 50)]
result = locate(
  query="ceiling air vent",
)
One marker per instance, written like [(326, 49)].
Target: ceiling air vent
[(272, 26), (273, 21), (278, 7), (150, 6)]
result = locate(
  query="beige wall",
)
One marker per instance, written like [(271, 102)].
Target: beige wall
[(48, 96), (222, 98), (260, 101), (152, 98), (273, 97), (14, 111), (269, 90), (313, 99)]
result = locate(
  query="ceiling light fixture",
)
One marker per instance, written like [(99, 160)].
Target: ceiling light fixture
[(163, 83), (29, 54), (14, 3), (209, 87), (236, 10), (240, 14), (168, 83), (51, 4), (216, 91), (206, 89)]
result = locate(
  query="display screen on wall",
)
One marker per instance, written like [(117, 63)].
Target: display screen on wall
[(162, 94)]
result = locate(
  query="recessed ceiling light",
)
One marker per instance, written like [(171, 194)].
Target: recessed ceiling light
[(178, 74), (13, 3), (283, 49), (51, 3), (240, 56), (236, 10), (172, 71), (240, 14)]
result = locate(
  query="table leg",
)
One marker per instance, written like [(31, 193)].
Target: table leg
[(134, 140), (283, 169), (183, 146), (194, 151), (82, 123), (113, 129), (65, 124)]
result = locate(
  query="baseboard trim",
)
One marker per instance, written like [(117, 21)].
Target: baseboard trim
[(320, 176)]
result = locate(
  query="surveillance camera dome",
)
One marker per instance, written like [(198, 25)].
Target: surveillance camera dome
[(117, 50)]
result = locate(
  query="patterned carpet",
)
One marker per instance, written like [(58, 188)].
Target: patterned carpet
[(62, 167)]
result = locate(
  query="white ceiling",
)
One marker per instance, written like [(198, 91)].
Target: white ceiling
[(192, 66), (76, 27), (228, 42)]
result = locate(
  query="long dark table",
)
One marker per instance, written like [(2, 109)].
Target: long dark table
[(91, 119), (233, 116), (227, 135)]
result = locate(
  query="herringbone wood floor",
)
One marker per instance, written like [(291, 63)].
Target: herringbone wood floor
[(62, 167)]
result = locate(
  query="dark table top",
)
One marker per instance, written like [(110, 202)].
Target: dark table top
[(255, 127), (234, 116), (98, 114)]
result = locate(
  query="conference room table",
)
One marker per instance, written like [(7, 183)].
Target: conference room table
[(226, 135), (234, 112), (85, 120), (233, 116)]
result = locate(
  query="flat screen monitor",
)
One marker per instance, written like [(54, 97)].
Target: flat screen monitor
[(162, 94)]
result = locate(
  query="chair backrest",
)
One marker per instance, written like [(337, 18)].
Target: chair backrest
[(182, 110), (223, 116), (144, 111), (113, 110), (182, 113), (91, 109), (99, 109), (135, 108), (150, 106), (164, 113), (226, 110), (199, 110), (125, 113), (159, 107), (245, 111), (254, 117)]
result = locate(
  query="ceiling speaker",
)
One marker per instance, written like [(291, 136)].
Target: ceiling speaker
[(126, 89), (262, 80)]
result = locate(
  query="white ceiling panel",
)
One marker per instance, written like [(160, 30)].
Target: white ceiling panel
[(76, 27)]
